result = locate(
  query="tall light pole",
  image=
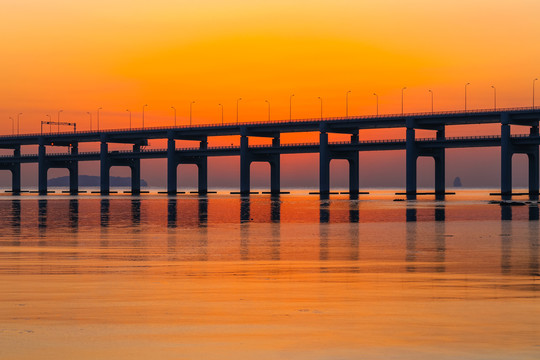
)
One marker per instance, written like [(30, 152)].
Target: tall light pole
[(402, 91), (494, 97), (172, 107), (58, 125), (268, 102), (145, 105), (89, 113), (318, 97), (290, 107), (222, 121), (129, 111), (12, 125), (377, 103), (237, 106), (431, 92), (18, 122), (467, 84), (347, 103), (50, 123), (191, 111), (98, 118), (533, 90)]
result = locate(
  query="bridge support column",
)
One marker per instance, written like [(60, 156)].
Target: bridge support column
[(354, 169), (245, 163), (136, 171), (105, 181), (440, 185), (275, 169), (172, 165), (533, 167), (74, 172), (506, 158), (202, 166), (411, 158), (324, 164), (42, 168), (16, 173)]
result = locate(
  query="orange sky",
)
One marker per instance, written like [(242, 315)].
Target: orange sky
[(115, 54)]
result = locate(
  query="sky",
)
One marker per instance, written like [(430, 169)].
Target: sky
[(78, 56)]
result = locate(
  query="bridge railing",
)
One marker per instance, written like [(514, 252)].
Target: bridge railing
[(284, 122)]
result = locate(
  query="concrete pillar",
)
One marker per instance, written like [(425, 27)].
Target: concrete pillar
[(354, 177), (172, 165), (16, 173), (440, 185), (104, 168), (136, 171), (245, 163), (533, 167), (42, 168), (202, 166), (324, 164), (411, 157), (275, 169), (506, 158), (74, 171)]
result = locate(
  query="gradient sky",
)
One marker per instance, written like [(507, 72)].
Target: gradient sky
[(82, 55)]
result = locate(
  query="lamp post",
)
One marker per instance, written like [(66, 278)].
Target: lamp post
[(18, 122), (347, 103), (237, 106), (191, 111), (402, 91), (377, 103), (89, 113), (222, 121), (533, 91), (494, 97), (290, 107), (172, 107), (318, 97), (268, 102), (145, 105), (50, 125), (129, 111), (98, 118), (58, 125), (467, 84), (12, 125), (431, 92)]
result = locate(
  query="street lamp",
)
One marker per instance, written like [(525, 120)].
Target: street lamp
[(50, 123), (222, 121), (12, 125), (18, 122), (89, 113), (98, 118), (145, 105), (129, 111), (172, 107), (191, 111), (377, 103), (58, 124), (237, 101), (494, 97), (347, 103), (402, 91), (318, 97), (467, 84), (533, 91), (268, 102), (431, 92), (290, 107)]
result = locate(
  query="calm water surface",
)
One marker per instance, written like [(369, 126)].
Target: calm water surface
[(224, 277)]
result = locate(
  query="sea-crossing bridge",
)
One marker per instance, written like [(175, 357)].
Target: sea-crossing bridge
[(349, 150)]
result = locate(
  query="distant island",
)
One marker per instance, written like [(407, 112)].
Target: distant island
[(457, 182), (88, 180)]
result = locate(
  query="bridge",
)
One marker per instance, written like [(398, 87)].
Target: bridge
[(349, 150)]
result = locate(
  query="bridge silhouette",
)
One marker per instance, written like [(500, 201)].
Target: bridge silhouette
[(349, 150)]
